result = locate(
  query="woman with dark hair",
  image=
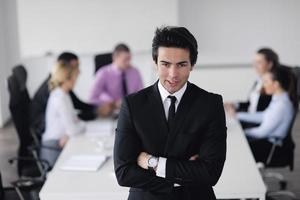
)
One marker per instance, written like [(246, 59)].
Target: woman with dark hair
[(276, 119), (265, 60)]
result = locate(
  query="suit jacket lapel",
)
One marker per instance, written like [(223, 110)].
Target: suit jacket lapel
[(158, 109)]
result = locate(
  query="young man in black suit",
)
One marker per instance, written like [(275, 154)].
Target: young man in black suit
[(171, 137)]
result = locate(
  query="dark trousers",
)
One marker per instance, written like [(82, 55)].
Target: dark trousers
[(260, 148)]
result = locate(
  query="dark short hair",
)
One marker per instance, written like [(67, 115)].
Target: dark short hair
[(179, 37), (67, 57), (270, 55), (286, 79), (121, 48)]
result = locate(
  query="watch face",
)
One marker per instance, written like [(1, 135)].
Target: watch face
[(152, 162)]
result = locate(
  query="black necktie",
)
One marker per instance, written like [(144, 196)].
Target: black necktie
[(124, 84), (171, 115)]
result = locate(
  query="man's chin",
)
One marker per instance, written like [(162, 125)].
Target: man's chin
[(173, 90)]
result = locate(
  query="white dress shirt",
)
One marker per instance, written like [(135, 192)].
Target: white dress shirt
[(61, 118), (274, 121), (161, 167), (254, 96)]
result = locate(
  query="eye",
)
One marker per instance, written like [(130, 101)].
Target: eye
[(182, 65), (165, 64)]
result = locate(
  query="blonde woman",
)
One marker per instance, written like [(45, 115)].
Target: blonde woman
[(61, 119)]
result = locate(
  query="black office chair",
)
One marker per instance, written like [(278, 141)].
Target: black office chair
[(24, 188), (102, 60), (8, 193), (280, 156), (30, 145), (296, 72), (19, 107)]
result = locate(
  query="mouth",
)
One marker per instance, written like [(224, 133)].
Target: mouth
[(172, 83)]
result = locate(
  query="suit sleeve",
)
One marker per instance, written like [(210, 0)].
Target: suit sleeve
[(87, 111), (243, 106), (126, 150), (80, 105), (207, 169)]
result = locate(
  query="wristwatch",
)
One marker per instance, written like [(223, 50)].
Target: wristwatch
[(152, 162)]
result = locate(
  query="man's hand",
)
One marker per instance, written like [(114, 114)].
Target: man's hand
[(105, 109), (117, 104), (229, 108), (142, 160), (194, 157)]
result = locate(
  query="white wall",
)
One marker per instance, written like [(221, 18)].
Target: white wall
[(232, 83), (231, 31), (30, 29), (9, 51), (88, 26), (228, 32)]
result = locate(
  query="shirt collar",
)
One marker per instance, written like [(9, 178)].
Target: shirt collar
[(164, 93), (116, 68)]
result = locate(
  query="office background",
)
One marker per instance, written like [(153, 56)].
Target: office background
[(229, 32)]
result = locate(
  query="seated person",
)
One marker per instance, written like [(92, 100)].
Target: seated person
[(39, 101), (115, 80), (61, 119), (276, 119), (258, 100)]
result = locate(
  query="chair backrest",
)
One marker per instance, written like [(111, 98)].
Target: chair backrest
[(19, 104), (102, 60), (296, 71), (283, 155)]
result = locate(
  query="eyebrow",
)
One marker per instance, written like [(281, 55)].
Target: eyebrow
[(181, 62)]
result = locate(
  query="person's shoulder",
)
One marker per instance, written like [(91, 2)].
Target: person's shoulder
[(204, 94), (141, 93), (286, 103), (134, 69), (104, 69), (58, 95)]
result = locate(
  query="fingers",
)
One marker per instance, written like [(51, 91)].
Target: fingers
[(194, 157)]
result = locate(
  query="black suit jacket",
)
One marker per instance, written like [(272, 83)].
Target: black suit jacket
[(200, 129), (263, 102), (39, 104)]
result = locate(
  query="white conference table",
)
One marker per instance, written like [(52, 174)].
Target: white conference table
[(240, 178)]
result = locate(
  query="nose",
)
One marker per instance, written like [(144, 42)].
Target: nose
[(173, 72)]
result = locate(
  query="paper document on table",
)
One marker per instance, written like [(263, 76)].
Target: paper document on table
[(84, 163), (99, 128)]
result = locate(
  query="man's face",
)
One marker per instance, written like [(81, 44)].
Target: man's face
[(174, 67), (74, 62), (122, 60)]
